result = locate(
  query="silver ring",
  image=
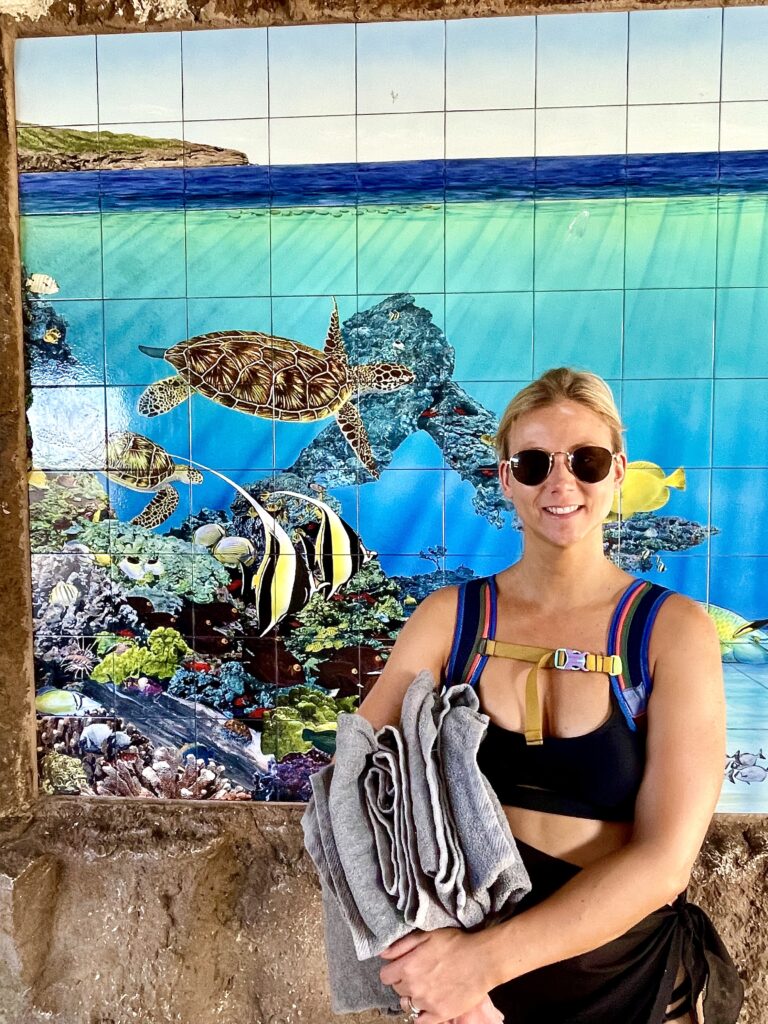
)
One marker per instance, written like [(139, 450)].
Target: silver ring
[(413, 1011)]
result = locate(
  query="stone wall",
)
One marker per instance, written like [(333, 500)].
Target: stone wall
[(114, 911)]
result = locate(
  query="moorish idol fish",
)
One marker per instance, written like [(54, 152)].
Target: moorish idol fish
[(338, 551)]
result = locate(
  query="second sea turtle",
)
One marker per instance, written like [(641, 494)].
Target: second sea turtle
[(274, 377), (138, 463)]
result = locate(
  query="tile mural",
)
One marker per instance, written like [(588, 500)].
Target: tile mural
[(279, 285)]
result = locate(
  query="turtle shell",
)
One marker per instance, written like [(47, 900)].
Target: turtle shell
[(262, 374), (137, 461)]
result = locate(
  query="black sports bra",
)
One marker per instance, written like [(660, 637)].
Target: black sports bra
[(596, 775)]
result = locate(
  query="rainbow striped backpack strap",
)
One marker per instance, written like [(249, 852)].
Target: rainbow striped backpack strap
[(475, 622), (629, 637)]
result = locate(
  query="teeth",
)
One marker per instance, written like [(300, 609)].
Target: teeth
[(561, 510)]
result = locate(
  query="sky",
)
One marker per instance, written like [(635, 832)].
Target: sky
[(572, 84)]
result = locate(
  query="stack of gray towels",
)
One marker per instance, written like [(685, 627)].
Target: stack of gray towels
[(406, 833)]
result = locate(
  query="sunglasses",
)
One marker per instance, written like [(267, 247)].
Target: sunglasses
[(588, 463)]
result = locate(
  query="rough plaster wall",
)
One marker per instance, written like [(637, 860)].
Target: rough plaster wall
[(114, 912)]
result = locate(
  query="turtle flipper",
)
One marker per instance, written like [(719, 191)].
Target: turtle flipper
[(164, 395), (163, 505), (334, 343), (352, 427)]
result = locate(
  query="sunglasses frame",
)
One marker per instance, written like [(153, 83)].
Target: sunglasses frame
[(568, 461)]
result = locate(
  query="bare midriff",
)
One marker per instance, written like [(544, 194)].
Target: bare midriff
[(577, 840)]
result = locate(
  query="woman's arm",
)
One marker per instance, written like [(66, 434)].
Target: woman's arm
[(424, 642), (681, 784)]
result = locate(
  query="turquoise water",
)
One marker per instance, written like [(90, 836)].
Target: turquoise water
[(667, 297)]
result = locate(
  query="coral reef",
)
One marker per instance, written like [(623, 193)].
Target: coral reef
[(165, 648), (635, 543), (170, 565), (289, 779), (48, 355), (231, 686), (170, 777), (58, 507), (202, 518), (302, 708), (366, 611), (62, 775), (398, 331)]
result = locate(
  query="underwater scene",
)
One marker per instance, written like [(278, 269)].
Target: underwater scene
[(278, 287)]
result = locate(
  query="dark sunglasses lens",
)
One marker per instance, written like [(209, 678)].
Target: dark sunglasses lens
[(591, 464), (530, 467)]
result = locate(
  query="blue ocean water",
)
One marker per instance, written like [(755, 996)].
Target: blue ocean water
[(651, 270)]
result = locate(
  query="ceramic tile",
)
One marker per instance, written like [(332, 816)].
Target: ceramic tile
[(227, 252), (582, 131), (68, 426), (225, 73), (144, 255), (579, 245), (218, 313), (463, 567), (674, 56), (581, 60), (313, 251), (415, 234), (488, 133), (157, 324), (39, 153), (400, 66), (139, 76), (169, 429), (740, 437), (671, 243), (225, 438), (61, 505), (162, 142), (387, 137), (246, 140), (64, 341), (654, 317), (742, 257), (743, 126), (499, 238), (745, 46), (736, 493), (470, 535), (678, 433), (490, 63), (673, 128), (312, 140), (311, 70), (47, 243), (74, 99), (741, 334), (738, 584), (491, 334), (388, 534), (579, 329), (685, 574)]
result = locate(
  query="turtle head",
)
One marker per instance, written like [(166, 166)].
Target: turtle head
[(382, 376)]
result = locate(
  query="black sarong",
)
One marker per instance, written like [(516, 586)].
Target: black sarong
[(629, 979)]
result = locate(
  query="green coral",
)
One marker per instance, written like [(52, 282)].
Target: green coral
[(187, 570), (326, 626), (58, 510), (63, 775), (302, 707), (164, 651)]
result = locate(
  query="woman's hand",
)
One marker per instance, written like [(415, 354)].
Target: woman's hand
[(445, 974)]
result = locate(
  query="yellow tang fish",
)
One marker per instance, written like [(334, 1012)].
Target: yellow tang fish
[(36, 478), (645, 489)]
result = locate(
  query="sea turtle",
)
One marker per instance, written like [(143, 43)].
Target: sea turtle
[(268, 376), (138, 463)]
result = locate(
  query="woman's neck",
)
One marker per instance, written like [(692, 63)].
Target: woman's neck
[(562, 578)]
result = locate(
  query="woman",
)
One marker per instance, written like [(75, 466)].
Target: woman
[(608, 794)]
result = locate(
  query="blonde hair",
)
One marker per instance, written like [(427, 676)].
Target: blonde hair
[(557, 385)]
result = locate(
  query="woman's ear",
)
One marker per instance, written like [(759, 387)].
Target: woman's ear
[(505, 476), (619, 469)]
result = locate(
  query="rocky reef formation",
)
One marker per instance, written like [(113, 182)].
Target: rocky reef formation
[(68, 149)]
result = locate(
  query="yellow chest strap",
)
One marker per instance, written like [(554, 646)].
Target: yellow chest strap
[(565, 659)]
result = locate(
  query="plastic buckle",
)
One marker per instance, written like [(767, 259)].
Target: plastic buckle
[(566, 659)]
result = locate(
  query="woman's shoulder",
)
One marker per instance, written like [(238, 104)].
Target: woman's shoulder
[(681, 621)]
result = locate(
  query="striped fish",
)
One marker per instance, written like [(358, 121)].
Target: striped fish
[(338, 551)]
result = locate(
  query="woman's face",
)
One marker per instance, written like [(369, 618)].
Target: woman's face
[(562, 510)]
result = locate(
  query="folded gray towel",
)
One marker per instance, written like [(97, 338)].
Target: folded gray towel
[(405, 833)]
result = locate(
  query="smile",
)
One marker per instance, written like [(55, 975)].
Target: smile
[(562, 510)]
